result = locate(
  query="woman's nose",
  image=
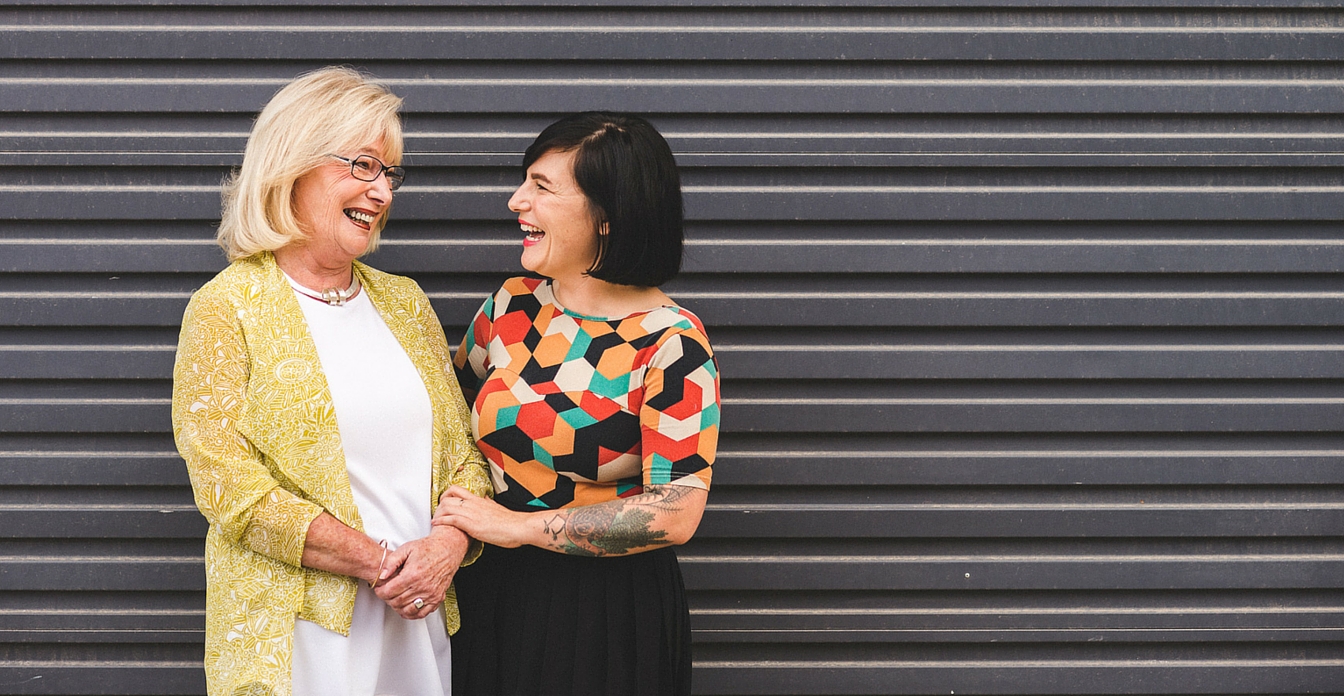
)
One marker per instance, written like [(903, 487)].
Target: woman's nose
[(518, 201), (380, 190)]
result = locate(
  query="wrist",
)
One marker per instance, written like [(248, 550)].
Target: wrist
[(449, 536), (376, 561), (446, 531), (539, 528)]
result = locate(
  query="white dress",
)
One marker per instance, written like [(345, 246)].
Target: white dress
[(385, 421)]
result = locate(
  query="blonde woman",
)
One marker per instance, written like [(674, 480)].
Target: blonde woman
[(316, 408)]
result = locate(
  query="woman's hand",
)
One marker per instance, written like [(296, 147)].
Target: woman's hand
[(483, 519), (422, 569), (660, 516)]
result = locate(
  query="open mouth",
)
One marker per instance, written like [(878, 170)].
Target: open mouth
[(360, 218), (534, 234)]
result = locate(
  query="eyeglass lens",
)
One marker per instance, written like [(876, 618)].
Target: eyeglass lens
[(367, 168)]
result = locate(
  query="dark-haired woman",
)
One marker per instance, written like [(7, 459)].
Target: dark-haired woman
[(596, 403)]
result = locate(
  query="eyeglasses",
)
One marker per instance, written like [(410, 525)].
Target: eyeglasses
[(368, 167)]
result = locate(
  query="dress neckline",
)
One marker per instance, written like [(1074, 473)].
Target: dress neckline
[(555, 301)]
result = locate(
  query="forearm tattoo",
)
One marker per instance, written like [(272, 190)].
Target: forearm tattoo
[(615, 527)]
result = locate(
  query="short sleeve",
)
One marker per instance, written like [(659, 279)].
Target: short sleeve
[(679, 418), (472, 361)]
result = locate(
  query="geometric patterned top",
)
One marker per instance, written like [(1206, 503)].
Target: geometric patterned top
[(575, 410)]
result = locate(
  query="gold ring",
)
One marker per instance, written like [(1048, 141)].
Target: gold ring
[(419, 603)]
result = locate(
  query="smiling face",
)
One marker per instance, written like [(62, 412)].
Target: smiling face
[(554, 213), (338, 212)]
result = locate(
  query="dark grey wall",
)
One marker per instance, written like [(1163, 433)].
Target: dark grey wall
[(1029, 319)]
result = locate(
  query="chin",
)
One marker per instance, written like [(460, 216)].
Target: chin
[(531, 267), (358, 248)]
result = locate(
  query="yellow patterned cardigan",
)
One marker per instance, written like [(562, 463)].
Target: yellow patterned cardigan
[(253, 418)]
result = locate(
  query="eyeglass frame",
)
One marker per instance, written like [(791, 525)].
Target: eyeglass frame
[(395, 171)]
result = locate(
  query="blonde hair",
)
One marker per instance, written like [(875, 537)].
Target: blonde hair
[(324, 112)]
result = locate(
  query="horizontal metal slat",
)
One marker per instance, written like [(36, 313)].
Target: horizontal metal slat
[(1028, 572), (101, 522), (74, 415), (761, 145), (105, 677), (1014, 624), (825, 362), (831, 361), (825, 254), (987, 139), (1008, 203), (858, 520), (614, 42), (1009, 626), (830, 416), (804, 415), (855, 520), (1015, 677), (86, 362), (691, 160), (829, 255), (49, 625), (708, 4), (821, 309), (1096, 465), (820, 254), (91, 468), (95, 309), (723, 96), (1002, 309), (110, 255), (430, 144), (750, 203), (99, 573)]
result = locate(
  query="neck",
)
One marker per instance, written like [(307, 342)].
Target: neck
[(598, 298), (313, 272)]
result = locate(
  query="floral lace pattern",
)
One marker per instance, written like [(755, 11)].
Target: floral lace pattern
[(254, 420)]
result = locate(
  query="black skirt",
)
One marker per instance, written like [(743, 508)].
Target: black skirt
[(539, 623)]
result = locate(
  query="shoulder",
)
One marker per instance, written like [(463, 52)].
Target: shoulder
[(388, 283), (673, 336), (519, 293), (230, 287), (394, 294), (523, 286), (673, 321)]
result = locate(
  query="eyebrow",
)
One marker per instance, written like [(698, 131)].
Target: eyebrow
[(539, 175)]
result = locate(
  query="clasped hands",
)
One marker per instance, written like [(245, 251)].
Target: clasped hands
[(421, 569), (485, 520)]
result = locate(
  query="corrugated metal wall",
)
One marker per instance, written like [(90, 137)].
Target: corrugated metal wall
[(1029, 317)]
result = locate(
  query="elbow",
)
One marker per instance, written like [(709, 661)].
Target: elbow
[(679, 538), (683, 527)]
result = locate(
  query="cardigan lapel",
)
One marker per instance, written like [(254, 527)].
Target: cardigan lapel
[(287, 385), (404, 315)]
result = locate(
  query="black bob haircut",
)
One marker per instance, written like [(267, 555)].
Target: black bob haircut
[(626, 170)]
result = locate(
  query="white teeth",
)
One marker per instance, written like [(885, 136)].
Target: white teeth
[(530, 229), (359, 217)]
